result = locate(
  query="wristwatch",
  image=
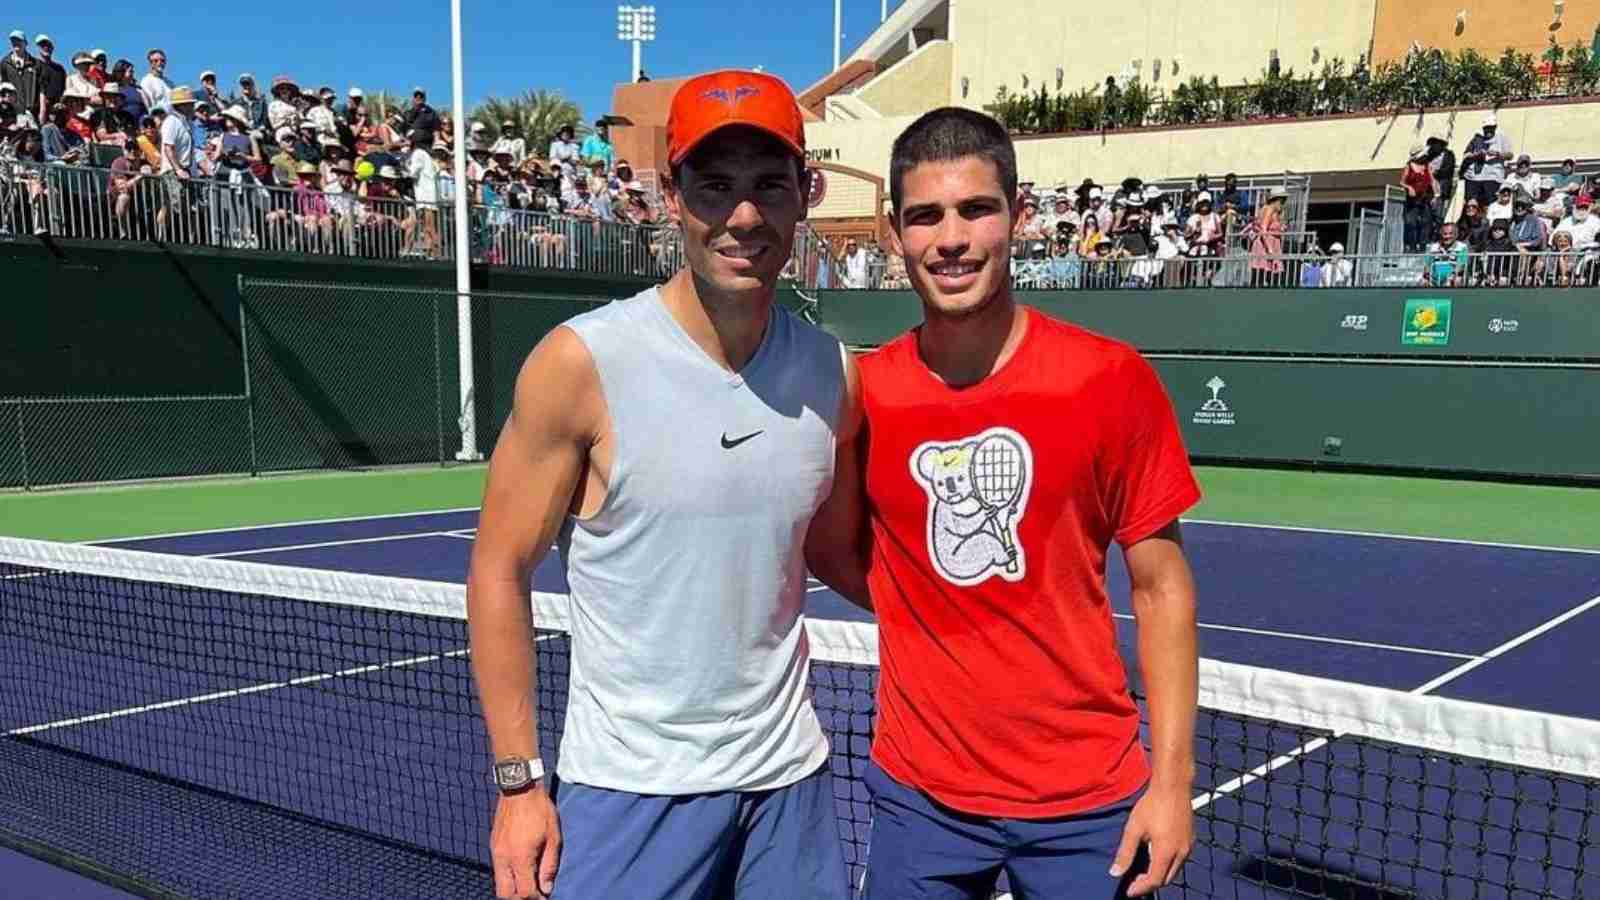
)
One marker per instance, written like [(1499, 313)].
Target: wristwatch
[(515, 773)]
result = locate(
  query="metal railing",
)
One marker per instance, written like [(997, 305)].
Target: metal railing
[(1571, 269), (81, 202)]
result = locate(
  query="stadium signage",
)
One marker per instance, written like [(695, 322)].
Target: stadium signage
[(1498, 325), (1354, 323), (1426, 323), (1214, 411), (824, 154)]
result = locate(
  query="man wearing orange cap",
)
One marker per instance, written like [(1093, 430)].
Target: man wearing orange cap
[(645, 436)]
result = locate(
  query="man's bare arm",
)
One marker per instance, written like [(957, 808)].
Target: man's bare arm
[(1164, 608), (836, 546), (541, 454)]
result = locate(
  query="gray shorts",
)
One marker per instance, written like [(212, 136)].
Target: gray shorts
[(174, 189)]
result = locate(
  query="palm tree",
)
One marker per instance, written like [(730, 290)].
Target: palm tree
[(381, 103), (537, 114)]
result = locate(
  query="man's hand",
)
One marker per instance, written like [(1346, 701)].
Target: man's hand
[(1164, 819), (525, 845)]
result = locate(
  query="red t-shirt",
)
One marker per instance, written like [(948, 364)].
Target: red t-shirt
[(1001, 690)]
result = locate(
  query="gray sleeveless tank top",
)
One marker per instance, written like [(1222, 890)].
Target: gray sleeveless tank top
[(689, 656)]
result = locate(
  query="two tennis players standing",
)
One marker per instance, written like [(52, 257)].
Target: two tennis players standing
[(695, 447)]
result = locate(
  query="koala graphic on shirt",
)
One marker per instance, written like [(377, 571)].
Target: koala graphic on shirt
[(977, 489)]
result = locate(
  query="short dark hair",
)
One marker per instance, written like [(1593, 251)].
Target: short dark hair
[(947, 134)]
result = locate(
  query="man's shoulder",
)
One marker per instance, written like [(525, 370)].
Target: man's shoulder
[(1081, 345)]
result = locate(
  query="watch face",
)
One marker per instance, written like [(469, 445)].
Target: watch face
[(511, 773)]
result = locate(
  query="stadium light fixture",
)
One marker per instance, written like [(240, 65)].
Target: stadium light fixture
[(636, 25)]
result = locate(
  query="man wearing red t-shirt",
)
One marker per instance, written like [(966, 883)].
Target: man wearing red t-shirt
[(1004, 451)]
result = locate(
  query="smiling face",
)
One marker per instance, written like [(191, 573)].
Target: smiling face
[(739, 196), (954, 231)]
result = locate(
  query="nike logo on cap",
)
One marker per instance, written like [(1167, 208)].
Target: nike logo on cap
[(730, 443)]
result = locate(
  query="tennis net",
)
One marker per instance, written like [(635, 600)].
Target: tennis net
[(187, 727)]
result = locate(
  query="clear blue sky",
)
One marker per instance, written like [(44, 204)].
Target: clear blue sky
[(510, 47)]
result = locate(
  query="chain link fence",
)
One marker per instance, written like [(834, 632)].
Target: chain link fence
[(344, 376), (70, 440), (335, 376)]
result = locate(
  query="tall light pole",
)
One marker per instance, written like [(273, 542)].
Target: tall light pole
[(468, 419), (636, 24), (838, 30)]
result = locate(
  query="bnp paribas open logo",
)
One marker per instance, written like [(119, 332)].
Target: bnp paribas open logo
[(1214, 411)]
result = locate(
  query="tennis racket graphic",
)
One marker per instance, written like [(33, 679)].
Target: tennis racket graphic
[(999, 471)]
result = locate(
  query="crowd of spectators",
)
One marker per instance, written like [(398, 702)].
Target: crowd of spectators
[(281, 164), (1514, 226)]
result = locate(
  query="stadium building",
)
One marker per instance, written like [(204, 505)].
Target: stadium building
[(931, 53)]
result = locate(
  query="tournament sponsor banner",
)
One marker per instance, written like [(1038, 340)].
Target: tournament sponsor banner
[(1426, 323)]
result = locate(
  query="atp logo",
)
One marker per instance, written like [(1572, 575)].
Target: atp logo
[(977, 489)]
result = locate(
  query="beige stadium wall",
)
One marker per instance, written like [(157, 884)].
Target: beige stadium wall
[(1360, 143), (1491, 26), (913, 85), (996, 43)]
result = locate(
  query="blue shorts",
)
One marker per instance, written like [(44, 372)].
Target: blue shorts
[(781, 844), (923, 851)]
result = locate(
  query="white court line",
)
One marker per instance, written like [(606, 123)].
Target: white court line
[(304, 522), (1266, 632), (1392, 536), (458, 535), (1429, 687), (366, 540), (235, 692)]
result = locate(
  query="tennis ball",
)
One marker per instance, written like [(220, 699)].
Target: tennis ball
[(364, 170)]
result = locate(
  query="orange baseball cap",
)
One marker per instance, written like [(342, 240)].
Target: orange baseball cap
[(709, 102)]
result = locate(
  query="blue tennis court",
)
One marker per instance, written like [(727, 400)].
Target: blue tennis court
[(201, 702)]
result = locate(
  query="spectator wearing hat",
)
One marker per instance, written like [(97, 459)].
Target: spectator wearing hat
[(306, 146), (177, 162), (344, 205), (421, 116), (510, 141), (598, 144), (208, 93), (1442, 163), (1338, 271), (99, 72), (78, 81), (1266, 240), (132, 97), (1496, 266), (29, 149), (157, 89), (254, 104), (1523, 179), (52, 75), (321, 114), (284, 163), (355, 104), (565, 151), (111, 123), (1484, 162), (1547, 204), (22, 71), (1421, 191), (1501, 207), (311, 209), (77, 104), (282, 111), (1528, 233), (1204, 231)]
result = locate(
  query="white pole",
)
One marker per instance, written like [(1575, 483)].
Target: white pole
[(883, 11), (467, 421), (838, 30), (637, 62)]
